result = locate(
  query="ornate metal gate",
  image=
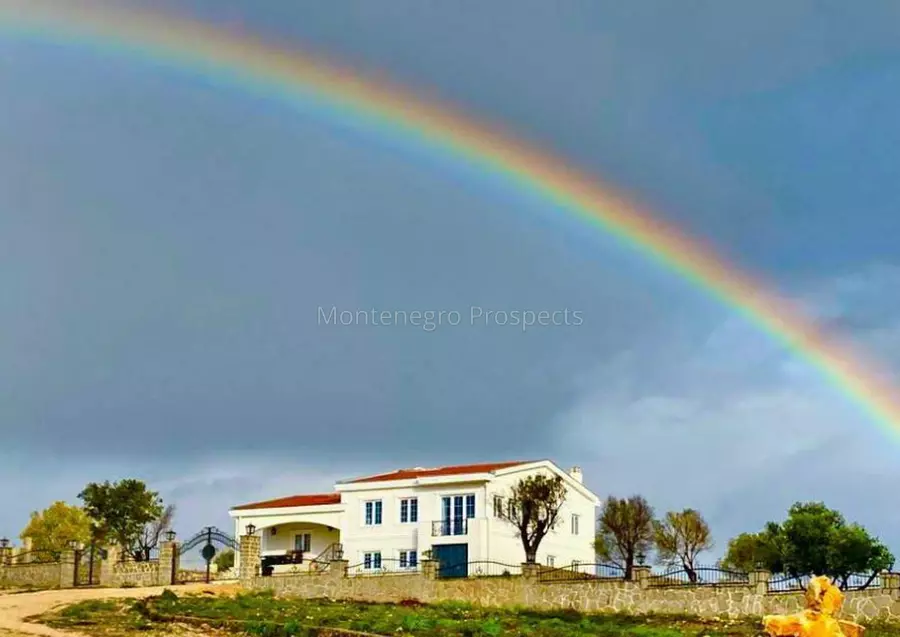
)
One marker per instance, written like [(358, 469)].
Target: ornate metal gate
[(208, 538)]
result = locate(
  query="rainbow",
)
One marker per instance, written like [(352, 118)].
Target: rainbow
[(253, 65)]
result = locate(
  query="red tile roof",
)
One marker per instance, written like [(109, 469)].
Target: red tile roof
[(295, 501), (420, 472)]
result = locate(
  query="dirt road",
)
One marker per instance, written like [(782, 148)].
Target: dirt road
[(14, 608)]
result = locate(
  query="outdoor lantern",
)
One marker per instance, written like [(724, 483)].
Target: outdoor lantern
[(251, 529), (170, 535), (641, 557), (73, 544), (4, 542)]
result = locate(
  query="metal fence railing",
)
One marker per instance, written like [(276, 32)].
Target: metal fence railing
[(383, 566), (582, 572), (699, 576)]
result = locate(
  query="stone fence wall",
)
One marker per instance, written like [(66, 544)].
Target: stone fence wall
[(16, 571), (730, 600), (638, 596)]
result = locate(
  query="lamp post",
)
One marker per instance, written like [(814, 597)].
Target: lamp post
[(4, 542), (641, 558), (251, 529), (170, 535)]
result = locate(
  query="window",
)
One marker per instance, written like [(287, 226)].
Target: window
[(574, 524), (498, 506), (511, 509), (551, 561), (372, 560), (408, 559), (470, 506), (373, 512), (302, 542), (409, 510)]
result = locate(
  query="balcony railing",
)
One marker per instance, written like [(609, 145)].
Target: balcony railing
[(455, 526)]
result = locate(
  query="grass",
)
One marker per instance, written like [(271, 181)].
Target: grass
[(264, 614)]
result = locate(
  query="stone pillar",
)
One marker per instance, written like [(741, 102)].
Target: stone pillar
[(168, 563), (337, 569), (759, 581), (640, 575), (429, 568), (5, 555), (67, 568), (530, 570), (25, 553), (250, 560), (108, 566)]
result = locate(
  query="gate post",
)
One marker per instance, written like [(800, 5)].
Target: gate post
[(108, 566), (249, 556), (168, 563), (68, 571)]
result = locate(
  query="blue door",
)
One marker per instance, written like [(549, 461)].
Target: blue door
[(453, 560)]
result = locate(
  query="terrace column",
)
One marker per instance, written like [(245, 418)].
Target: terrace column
[(890, 582), (640, 574), (250, 560), (429, 568), (337, 568), (759, 580), (530, 571)]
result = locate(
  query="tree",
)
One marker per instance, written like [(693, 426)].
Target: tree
[(749, 551), (680, 537), (533, 508), (224, 560), (626, 530), (152, 533), (120, 511), (813, 540), (52, 529)]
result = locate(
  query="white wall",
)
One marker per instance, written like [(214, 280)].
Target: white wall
[(506, 546), (488, 538), (392, 536)]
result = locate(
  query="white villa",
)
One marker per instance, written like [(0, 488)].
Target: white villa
[(387, 521)]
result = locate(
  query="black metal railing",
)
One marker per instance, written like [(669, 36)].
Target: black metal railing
[(35, 556), (453, 526), (581, 572), (788, 583), (699, 576), (858, 581), (323, 560), (384, 566), (488, 568)]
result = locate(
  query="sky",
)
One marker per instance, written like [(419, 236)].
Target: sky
[(166, 243)]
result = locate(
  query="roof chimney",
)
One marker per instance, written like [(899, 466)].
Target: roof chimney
[(575, 472)]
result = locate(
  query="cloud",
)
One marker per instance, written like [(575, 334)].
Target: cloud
[(740, 428)]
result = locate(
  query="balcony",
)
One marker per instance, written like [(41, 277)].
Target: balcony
[(458, 526)]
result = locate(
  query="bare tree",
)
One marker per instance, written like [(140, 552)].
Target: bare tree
[(680, 537), (533, 508), (625, 531), (151, 534)]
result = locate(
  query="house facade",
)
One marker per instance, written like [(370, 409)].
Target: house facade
[(388, 521)]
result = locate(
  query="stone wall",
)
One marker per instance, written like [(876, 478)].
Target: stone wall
[(27, 569), (730, 601), (117, 572), (37, 575)]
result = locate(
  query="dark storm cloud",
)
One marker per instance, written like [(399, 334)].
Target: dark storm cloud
[(165, 245)]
